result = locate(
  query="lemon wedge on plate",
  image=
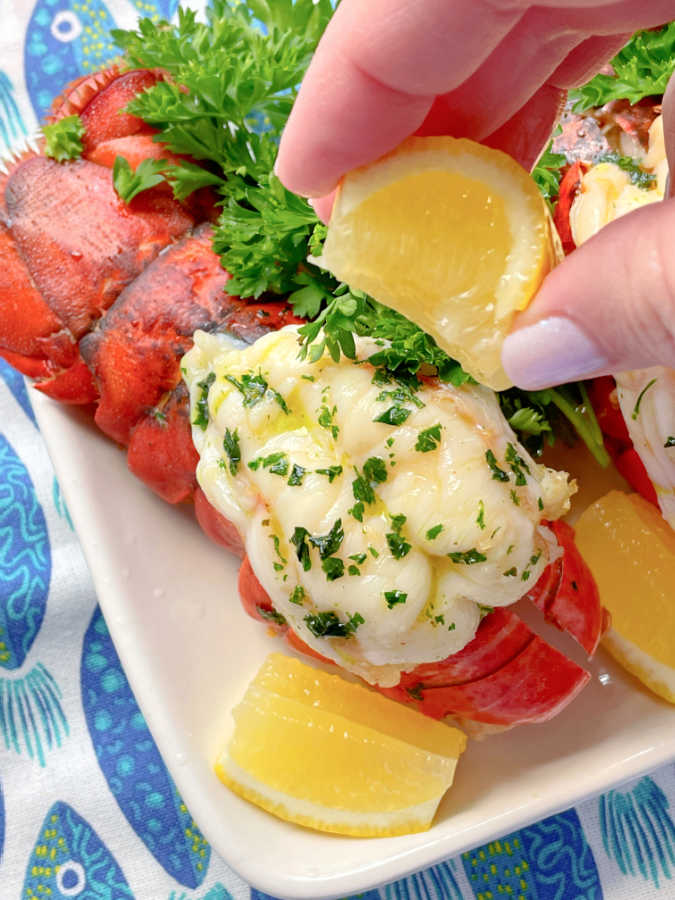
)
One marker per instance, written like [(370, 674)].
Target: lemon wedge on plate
[(453, 235), (320, 751), (630, 550)]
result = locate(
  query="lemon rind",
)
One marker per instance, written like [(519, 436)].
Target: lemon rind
[(657, 676), (314, 815)]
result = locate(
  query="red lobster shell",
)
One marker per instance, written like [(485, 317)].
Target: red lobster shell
[(99, 301)]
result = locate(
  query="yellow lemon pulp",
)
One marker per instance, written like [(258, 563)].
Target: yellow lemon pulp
[(453, 235), (631, 552), (322, 752)]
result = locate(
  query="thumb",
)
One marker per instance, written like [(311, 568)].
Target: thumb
[(608, 307)]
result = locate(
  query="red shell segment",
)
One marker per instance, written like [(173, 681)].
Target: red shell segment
[(223, 532), (161, 452)]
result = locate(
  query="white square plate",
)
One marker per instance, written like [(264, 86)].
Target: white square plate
[(170, 600)]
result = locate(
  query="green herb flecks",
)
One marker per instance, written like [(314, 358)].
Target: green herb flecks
[(201, 416), (275, 463), (330, 543), (326, 416), (397, 544), (467, 557), (480, 518), (271, 615), (433, 533), (428, 439), (297, 475), (636, 408), (331, 472), (63, 139), (497, 473), (334, 568), (299, 541), (395, 415), (328, 624), (232, 448), (670, 442), (632, 168), (253, 389), (297, 595), (517, 465), (395, 597)]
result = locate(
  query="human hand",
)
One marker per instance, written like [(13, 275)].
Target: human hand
[(497, 73)]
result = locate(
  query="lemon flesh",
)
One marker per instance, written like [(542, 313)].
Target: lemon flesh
[(453, 235), (319, 751), (630, 550)]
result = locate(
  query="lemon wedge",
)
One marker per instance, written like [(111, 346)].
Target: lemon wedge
[(630, 550), (453, 235), (322, 752)]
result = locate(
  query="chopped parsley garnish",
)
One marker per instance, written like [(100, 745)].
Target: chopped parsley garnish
[(485, 610), (525, 575), (428, 439), (359, 558), (670, 441), (297, 595), (354, 570), (331, 472), (375, 470), (330, 543), (308, 377), (334, 568), (497, 473), (512, 571), (394, 597), (299, 540), (433, 533), (277, 550), (517, 464), (128, 183), (253, 388), (296, 476), (63, 139), (636, 408), (201, 417), (232, 448), (326, 420), (480, 518), (328, 624), (398, 546), (540, 503), (515, 498), (271, 615), (468, 557), (632, 168), (395, 415), (276, 463)]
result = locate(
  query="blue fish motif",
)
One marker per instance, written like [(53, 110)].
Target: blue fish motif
[(2, 823), (60, 504), (367, 895), (132, 765), (69, 38), (25, 560), (437, 881), (638, 831), (548, 859), (217, 892), (12, 125), (70, 860), (17, 385)]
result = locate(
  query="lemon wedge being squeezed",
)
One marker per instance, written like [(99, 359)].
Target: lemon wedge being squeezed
[(320, 751), (453, 235)]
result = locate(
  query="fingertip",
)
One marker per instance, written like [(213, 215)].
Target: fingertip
[(323, 206)]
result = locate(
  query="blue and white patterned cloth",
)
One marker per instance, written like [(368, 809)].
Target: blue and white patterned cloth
[(87, 807)]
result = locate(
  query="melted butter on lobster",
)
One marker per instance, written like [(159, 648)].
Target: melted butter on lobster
[(381, 520)]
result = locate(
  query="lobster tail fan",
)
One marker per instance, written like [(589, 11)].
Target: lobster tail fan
[(11, 123), (32, 719), (638, 831)]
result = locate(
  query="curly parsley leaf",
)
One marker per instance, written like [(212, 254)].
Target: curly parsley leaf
[(128, 183), (63, 139), (641, 69)]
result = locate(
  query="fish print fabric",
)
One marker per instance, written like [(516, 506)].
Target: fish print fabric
[(88, 809)]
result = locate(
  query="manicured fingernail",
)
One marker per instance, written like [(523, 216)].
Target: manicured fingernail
[(552, 351)]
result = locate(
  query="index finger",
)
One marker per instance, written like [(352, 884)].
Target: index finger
[(374, 78)]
